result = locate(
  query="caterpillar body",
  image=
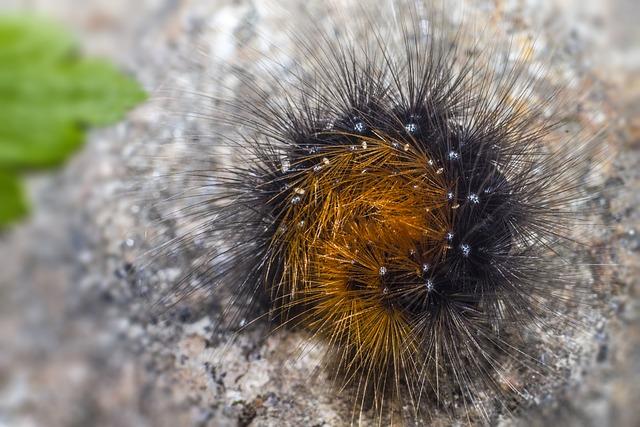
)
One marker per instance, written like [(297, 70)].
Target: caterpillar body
[(397, 196)]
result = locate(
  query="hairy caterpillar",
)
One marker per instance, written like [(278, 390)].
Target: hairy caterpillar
[(398, 197)]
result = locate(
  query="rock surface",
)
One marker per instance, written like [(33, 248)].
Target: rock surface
[(77, 345)]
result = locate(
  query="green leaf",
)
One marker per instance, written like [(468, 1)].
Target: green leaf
[(13, 204), (49, 95), (46, 105), (25, 38), (45, 113)]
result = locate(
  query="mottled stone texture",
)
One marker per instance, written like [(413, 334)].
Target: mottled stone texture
[(76, 345)]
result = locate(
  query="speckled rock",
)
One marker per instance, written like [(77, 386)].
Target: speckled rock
[(79, 343)]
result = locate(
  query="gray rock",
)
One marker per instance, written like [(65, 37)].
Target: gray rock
[(79, 346)]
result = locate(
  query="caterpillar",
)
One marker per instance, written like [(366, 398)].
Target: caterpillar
[(404, 197)]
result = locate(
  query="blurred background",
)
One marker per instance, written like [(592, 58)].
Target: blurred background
[(76, 138)]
